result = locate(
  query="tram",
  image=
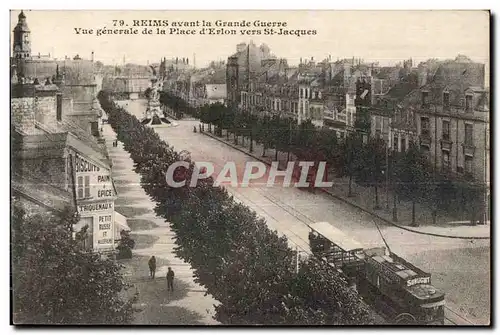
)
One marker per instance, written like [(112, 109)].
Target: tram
[(401, 292)]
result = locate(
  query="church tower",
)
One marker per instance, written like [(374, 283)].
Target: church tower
[(22, 38)]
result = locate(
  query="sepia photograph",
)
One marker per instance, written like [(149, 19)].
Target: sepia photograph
[(250, 168)]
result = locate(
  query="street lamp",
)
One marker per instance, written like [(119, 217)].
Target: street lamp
[(297, 258)]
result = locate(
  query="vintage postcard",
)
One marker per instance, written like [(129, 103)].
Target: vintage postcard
[(250, 167)]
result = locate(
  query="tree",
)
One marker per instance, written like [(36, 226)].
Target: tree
[(414, 177), (147, 92), (245, 266), (371, 172), (125, 245), (56, 282), (348, 162)]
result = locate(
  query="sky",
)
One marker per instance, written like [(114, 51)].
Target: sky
[(384, 36)]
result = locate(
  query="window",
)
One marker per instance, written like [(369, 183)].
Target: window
[(425, 98), (446, 99), (425, 126), (378, 126), (80, 187), (395, 144), (468, 103), (446, 130), (87, 186), (446, 160), (403, 144), (426, 151), (468, 134), (468, 165)]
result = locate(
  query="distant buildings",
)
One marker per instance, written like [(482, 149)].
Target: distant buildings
[(441, 105), (196, 86)]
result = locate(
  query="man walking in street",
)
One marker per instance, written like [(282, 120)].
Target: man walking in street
[(170, 279), (152, 266)]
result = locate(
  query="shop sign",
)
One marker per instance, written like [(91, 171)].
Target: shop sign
[(105, 230), (100, 206)]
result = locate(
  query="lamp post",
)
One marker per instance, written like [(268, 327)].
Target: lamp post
[(297, 258)]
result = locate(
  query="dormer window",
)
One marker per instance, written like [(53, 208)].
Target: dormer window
[(468, 103), (446, 99)]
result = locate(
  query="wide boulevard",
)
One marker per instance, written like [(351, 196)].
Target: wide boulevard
[(460, 267)]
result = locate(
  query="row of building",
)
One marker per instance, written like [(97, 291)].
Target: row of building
[(59, 156), (442, 105)]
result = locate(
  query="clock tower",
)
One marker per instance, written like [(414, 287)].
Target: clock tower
[(22, 38)]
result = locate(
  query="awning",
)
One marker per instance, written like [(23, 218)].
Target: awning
[(433, 304), (121, 222)]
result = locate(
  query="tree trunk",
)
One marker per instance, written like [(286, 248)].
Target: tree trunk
[(395, 208), (264, 150), (276, 155), (377, 206), (251, 142), (227, 134), (349, 193), (413, 221)]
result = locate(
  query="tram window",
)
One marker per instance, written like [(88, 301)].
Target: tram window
[(433, 313)]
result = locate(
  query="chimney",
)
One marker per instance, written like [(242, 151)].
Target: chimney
[(59, 106), (241, 47)]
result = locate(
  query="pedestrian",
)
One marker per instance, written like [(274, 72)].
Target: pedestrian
[(152, 266), (170, 279)]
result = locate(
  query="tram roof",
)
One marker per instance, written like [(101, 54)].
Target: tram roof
[(336, 236)]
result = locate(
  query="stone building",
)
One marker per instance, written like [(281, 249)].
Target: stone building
[(70, 165), (452, 116), (241, 66)]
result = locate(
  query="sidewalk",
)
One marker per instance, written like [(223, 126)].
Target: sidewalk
[(363, 199), (187, 305)]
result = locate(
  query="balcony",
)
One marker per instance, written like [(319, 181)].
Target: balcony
[(469, 149), (446, 144)]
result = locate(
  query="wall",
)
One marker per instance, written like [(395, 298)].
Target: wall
[(457, 137), (22, 114), (45, 111), (82, 96)]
